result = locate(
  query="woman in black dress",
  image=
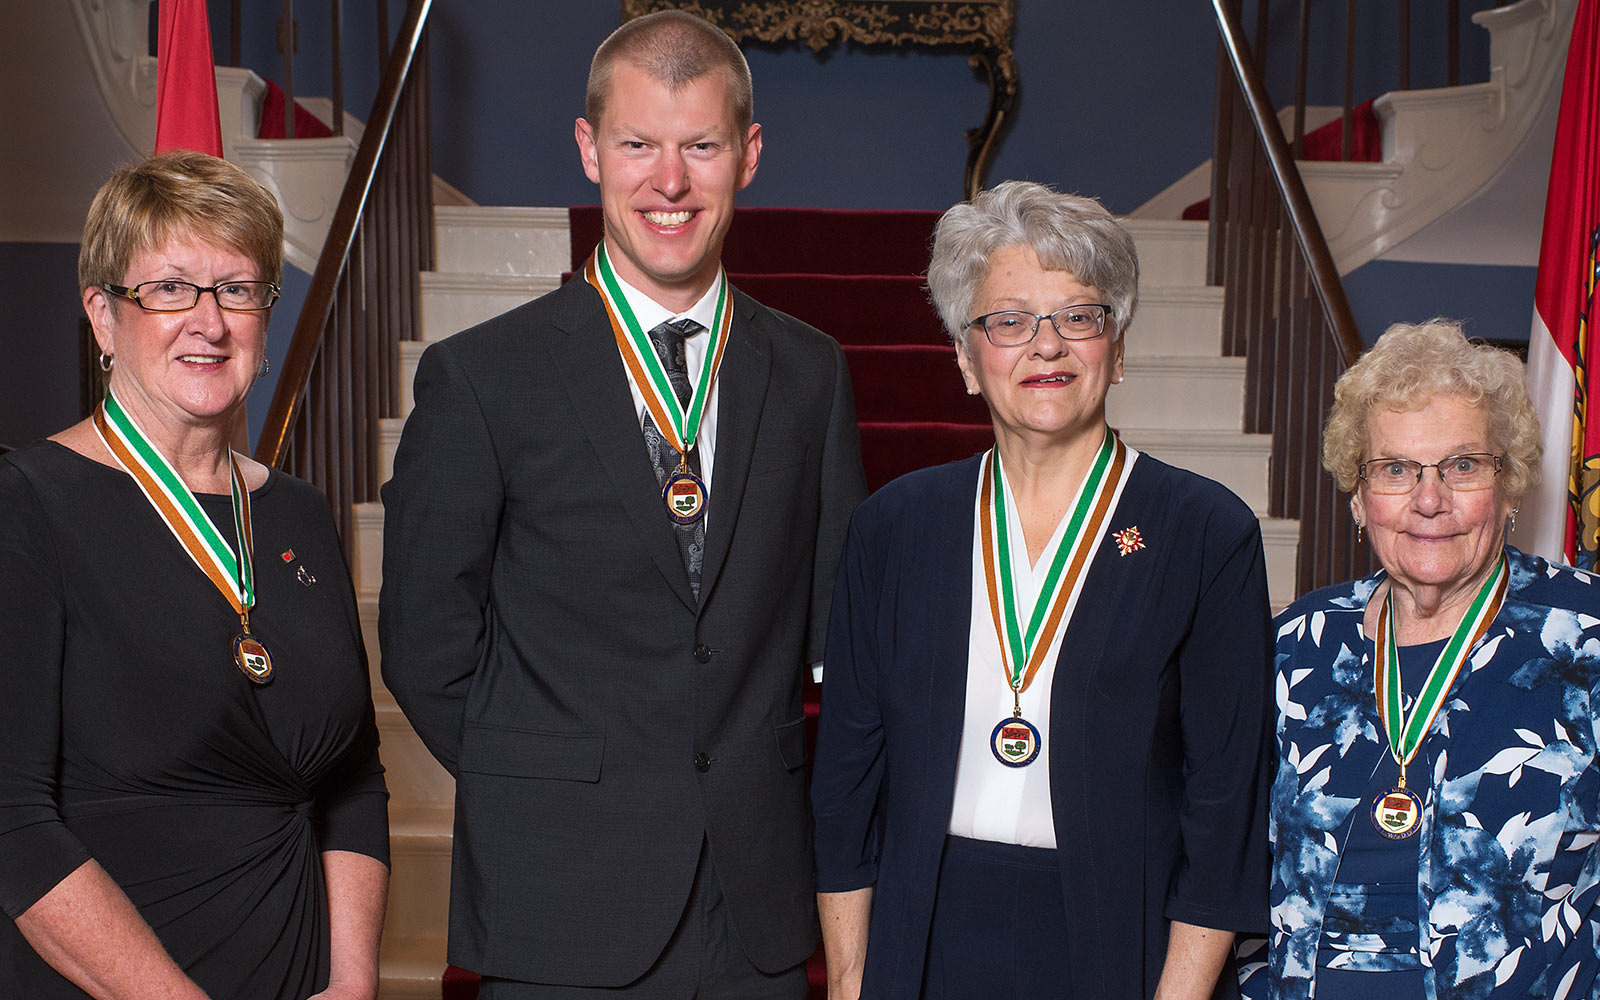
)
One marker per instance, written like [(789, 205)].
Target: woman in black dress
[(191, 803)]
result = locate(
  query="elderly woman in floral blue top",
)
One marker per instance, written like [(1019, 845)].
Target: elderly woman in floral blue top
[(1437, 802)]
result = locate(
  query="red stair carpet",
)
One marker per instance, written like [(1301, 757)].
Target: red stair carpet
[(857, 276)]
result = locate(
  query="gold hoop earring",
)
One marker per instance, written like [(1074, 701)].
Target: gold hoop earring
[(263, 368), (107, 362)]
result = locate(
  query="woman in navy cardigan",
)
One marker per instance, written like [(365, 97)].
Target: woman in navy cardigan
[(1044, 751)]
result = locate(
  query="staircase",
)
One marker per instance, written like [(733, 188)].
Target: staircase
[(1182, 402)]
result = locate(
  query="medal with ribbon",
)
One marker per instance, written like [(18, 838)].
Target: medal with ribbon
[(1397, 813), (684, 493), (173, 501), (1024, 641)]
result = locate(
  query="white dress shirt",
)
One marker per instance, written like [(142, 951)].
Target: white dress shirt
[(995, 802), (651, 314)]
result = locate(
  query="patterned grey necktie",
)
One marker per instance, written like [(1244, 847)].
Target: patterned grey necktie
[(668, 340)]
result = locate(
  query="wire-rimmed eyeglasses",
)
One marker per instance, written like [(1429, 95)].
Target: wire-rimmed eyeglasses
[(1015, 327), (1462, 473)]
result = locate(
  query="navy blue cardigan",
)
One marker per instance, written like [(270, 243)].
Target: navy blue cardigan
[(1161, 722)]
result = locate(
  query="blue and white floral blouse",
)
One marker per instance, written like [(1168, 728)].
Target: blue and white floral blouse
[(1508, 871)]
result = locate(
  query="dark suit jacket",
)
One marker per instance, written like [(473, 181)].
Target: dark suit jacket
[(539, 631), (1160, 725)]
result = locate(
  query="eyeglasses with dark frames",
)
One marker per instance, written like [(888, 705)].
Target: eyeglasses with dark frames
[(1015, 327), (168, 295), (1462, 473)]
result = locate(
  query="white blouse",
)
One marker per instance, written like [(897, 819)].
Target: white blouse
[(995, 802)]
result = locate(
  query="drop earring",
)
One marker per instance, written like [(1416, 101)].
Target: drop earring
[(1358, 532), (1513, 519)]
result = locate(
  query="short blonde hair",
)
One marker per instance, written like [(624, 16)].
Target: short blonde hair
[(673, 48), (1413, 363), (1065, 231), (178, 195)]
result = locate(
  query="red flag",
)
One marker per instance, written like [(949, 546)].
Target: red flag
[(186, 80), (1563, 516)]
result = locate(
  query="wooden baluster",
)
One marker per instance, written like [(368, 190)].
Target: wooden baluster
[(1405, 44), (1347, 131), (286, 45), (383, 30), (336, 12), (1303, 58), (1453, 41)]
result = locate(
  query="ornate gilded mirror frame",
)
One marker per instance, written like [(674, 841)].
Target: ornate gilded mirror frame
[(984, 27)]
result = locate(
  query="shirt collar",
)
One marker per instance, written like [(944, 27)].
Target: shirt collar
[(651, 313)]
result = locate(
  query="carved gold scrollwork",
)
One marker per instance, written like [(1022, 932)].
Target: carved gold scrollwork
[(984, 26)]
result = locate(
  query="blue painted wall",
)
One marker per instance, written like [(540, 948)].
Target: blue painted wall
[(1495, 303), (1116, 102)]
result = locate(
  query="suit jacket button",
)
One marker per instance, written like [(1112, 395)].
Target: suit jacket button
[(702, 763), (702, 653)]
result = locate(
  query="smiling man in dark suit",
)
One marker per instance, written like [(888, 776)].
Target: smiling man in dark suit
[(609, 544)]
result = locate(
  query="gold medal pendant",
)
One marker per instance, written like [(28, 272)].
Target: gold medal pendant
[(685, 496), (252, 658), (1397, 813), (1016, 742)]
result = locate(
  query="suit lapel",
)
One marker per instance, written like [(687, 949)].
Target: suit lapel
[(584, 356), (951, 614), (741, 395)]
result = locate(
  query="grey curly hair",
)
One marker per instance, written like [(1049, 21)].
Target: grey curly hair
[(1413, 363)]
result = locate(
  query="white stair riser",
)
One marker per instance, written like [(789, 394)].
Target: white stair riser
[(1179, 394), (366, 555), (510, 241), (1172, 253), (410, 356), (453, 302), (1237, 461), (389, 429), (419, 880), (1176, 320), (1280, 539)]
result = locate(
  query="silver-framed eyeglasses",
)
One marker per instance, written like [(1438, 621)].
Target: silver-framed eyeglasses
[(1462, 473), (1015, 327), (169, 295)]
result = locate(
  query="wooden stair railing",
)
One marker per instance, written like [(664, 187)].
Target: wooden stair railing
[(1285, 309), (341, 375)]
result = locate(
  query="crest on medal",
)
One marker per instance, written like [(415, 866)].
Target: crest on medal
[(1015, 742), (252, 658), (1129, 540), (1397, 813), (685, 497)]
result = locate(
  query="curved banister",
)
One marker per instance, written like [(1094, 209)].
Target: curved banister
[(307, 341), (1284, 308), (340, 375), (1307, 231)]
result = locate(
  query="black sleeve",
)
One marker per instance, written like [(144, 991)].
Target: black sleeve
[(441, 524), (1225, 670), (36, 849)]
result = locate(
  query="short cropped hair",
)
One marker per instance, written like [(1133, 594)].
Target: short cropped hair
[(673, 48), (178, 195), (1414, 363), (1066, 232)]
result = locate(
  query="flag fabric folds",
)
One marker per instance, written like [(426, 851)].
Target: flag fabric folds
[(186, 80), (1561, 518)]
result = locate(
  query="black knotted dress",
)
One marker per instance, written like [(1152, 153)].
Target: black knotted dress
[(127, 735)]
